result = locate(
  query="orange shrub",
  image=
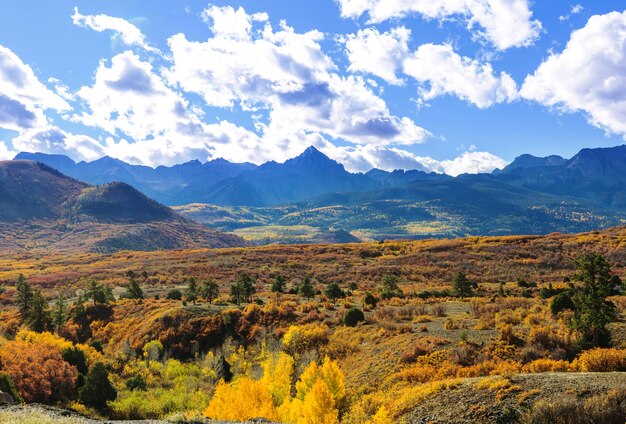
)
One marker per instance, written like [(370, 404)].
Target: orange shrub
[(39, 374), (601, 360)]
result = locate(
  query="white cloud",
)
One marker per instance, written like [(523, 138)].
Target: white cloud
[(152, 124), (208, 141), (126, 32), (445, 72), (588, 75), (380, 54), (5, 152), (472, 163), (364, 158), (53, 140), (231, 23), (575, 10), (23, 98), (288, 76), (128, 97), (504, 23)]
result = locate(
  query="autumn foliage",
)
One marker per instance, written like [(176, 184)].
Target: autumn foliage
[(320, 392), (39, 374)]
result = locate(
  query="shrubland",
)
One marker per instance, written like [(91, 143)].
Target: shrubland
[(352, 333)]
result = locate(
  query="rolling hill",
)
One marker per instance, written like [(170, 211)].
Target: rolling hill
[(42, 209)]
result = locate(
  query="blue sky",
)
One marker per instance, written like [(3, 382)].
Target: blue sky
[(450, 86)]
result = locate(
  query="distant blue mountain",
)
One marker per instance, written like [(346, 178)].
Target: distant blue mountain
[(597, 175), (178, 184), (531, 195), (529, 161)]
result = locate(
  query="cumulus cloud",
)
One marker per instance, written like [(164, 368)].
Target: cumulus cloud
[(23, 98), (128, 97), (151, 123), (367, 157), (5, 152), (471, 163), (53, 140), (287, 75), (504, 23), (443, 71), (231, 23), (588, 75), (123, 30), (376, 53)]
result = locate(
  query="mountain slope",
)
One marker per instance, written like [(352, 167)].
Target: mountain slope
[(530, 161), (42, 209), (177, 184), (596, 175), (30, 190), (306, 176), (312, 194)]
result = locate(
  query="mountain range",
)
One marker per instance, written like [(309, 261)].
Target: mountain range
[(311, 197), (42, 209)]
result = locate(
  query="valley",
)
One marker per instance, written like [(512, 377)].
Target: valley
[(312, 198)]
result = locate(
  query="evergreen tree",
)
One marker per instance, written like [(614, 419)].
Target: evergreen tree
[(99, 293), (334, 292), (174, 294), (39, 315), (246, 282), (7, 386), (370, 300), (236, 293), (76, 357), (59, 313), (243, 289), (390, 287), (24, 296), (133, 290), (279, 284), (593, 312), (461, 285), (97, 390), (78, 313), (191, 294), (222, 369), (353, 316), (210, 290), (306, 288)]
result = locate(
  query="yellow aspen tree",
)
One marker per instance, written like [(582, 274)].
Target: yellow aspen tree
[(242, 400), (382, 416), (319, 406), (334, 379), (277, 373), (307, 379)]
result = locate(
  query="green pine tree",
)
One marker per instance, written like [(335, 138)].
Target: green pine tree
[(59, 313), (279, 284), (306, 288), (210, 290), (593, 311), (97, 390), (39, 315), (24, 296), (133, 290), (461, 285), (191, 294)]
